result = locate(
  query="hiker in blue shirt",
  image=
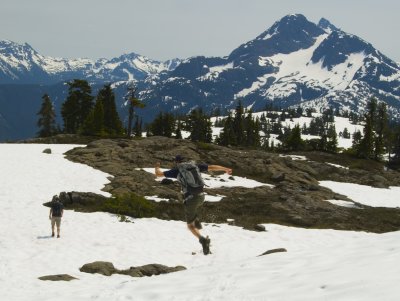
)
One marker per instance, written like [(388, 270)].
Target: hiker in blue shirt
[(188, 174)]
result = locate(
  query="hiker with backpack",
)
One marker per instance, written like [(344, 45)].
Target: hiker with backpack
[(188, 174), (55, 215)]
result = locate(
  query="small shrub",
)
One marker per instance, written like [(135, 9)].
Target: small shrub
[(130, 205), (205, 146)]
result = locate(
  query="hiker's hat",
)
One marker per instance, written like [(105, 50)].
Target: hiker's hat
[(178, 158)]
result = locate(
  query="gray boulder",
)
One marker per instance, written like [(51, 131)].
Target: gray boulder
[(59, 277), (107, 269)]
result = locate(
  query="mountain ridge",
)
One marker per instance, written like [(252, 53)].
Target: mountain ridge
[(293, 63)]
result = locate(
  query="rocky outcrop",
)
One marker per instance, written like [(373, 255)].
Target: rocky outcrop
[(60, 277), (107, 269), (47, 151), (296, 199)]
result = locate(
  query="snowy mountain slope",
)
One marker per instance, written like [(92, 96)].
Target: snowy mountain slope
[(318, 265), (22, 64), (295, 62)]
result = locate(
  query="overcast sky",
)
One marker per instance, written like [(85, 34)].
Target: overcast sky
[(164, 29)]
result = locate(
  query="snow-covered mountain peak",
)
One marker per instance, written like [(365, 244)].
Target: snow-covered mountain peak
[(20, 63)]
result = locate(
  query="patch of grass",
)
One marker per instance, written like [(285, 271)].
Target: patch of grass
[(368, 165), (205, 146), (129, 204)]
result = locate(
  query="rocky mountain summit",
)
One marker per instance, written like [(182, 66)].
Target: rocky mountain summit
[(295, 199)]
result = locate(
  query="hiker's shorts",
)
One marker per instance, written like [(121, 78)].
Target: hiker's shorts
[(55, 220), (192, 203)]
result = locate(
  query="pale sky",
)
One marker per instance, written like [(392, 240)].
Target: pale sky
[(164, 29)]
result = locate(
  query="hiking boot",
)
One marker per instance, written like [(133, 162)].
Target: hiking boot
[(205, 242), (52, 234), (58, 236), (197, 224)]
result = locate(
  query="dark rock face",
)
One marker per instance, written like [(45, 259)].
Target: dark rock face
[(107, 269), (47, 151), (296, 199), (60, 277)]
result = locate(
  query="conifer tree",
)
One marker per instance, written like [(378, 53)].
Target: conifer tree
[(251, 129), (294, 142), (112, 123), (381, 130), (137, 129), (133, 102), (346, 133), (77, 106), (227, 135), (332, 143), (163, 125), (94, 123), (199, 126), (238, 124), (178, 132), (366, 148), (47, 118)]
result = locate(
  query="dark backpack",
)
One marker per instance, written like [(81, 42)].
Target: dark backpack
[(56, 209), (190, 178)]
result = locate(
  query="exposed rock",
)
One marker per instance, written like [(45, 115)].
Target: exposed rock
[(99, 267), (47, 151), (107, 269), (60, 277), (296, 200), (260, 228), (273, 251), (278, 177)]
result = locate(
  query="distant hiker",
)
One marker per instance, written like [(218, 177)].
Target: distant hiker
[(55, 215), (188, 174)]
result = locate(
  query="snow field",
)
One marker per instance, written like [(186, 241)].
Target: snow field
[(318, 264)]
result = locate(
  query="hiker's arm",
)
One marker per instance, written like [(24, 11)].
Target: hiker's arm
[(51, 211), (219, 168), (157, 171), (62, 212)]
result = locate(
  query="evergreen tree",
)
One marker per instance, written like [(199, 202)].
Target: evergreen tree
[(178, 132), (163, 125), (346, 133), (372, 106), (47, 118), (94, 123), (199, 126), (137, 129), (294, 142), (251, 131), (238, 124), (332, 143), (112, 123), (366, 148), (227, 135), (133, 102), (77, 106), (381, 130)]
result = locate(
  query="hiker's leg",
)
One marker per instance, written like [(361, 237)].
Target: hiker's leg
[(53, 223), (58, 223), (192, 204), (194, 230)]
